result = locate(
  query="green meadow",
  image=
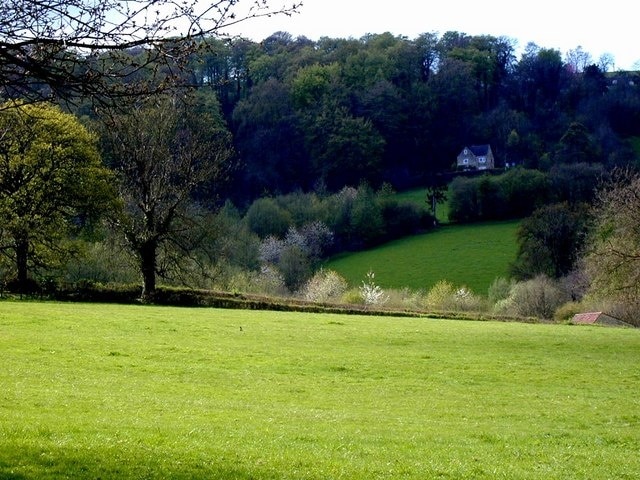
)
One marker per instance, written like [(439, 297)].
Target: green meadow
[(465, 255), (130, 392)]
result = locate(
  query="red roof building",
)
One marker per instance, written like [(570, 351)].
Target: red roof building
[(598, 318)]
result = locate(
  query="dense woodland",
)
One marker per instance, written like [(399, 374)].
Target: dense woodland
[(310, 115)]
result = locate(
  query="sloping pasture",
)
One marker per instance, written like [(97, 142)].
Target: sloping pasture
[(466, 255)]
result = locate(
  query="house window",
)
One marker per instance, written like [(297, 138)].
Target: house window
[(482, 160), (465, 161)]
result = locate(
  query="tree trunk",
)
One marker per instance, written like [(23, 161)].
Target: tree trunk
[(147, 255), (22, 256)]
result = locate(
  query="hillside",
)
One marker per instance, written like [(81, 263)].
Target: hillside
[(470, 255)]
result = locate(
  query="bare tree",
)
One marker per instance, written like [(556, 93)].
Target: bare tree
[(71, 48), (613, 255), (163, 150)]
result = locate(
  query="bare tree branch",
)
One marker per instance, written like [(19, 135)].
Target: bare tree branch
[(85, 48)]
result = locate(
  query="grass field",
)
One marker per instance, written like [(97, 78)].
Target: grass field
[(470, 255), (96, 391)]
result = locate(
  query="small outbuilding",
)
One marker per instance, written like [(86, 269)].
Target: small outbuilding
[(598, 318)]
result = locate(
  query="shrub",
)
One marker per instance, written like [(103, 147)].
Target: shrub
[(270, 250), (403, 218), (499, 290), (268, 281), (440, 296), (102, 262), (405, 298), (465, 300), (565, 312), (325, 286), (352, 297), (538, 297), (294, 266), (371, 293), (367, 224)]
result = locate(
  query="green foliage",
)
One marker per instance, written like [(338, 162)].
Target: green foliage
[(295, 267), (102, 262), (514, 194), (440, 296), (367, 222), (110, 391), (53, 184), (265, 217), (550, 241), (565, 313), (357, 217), (444, 296)]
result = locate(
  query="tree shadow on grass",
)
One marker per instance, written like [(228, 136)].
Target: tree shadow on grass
[(45, 463)]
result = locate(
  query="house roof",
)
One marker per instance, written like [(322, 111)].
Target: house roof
[(479, 150), (600, 318), (588, 318)]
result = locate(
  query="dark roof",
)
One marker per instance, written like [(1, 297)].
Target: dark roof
[(479, 150)]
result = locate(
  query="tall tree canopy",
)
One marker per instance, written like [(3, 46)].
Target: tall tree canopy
[(51, 183)]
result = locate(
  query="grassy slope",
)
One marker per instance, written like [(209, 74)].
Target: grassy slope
[(92, 391), (471, 255), (418, 196)]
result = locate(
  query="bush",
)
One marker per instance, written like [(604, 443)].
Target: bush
[(538, 297), (371, 293), (403, 218), (405, 298), (352, 297), (294, 266), (440, 296), (565, 312), (499, 290), (325, 286), (367, 224), (514, 194)]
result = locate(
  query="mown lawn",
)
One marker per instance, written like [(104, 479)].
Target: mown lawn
[(466, 255), (104, 391)]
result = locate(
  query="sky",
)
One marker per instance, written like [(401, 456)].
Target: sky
[(611, 27)]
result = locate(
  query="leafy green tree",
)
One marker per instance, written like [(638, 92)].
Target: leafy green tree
[(52, 184), (164, 149), (550, 241), (270, 142), (344, 149), (265, 217), (575, 146)]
